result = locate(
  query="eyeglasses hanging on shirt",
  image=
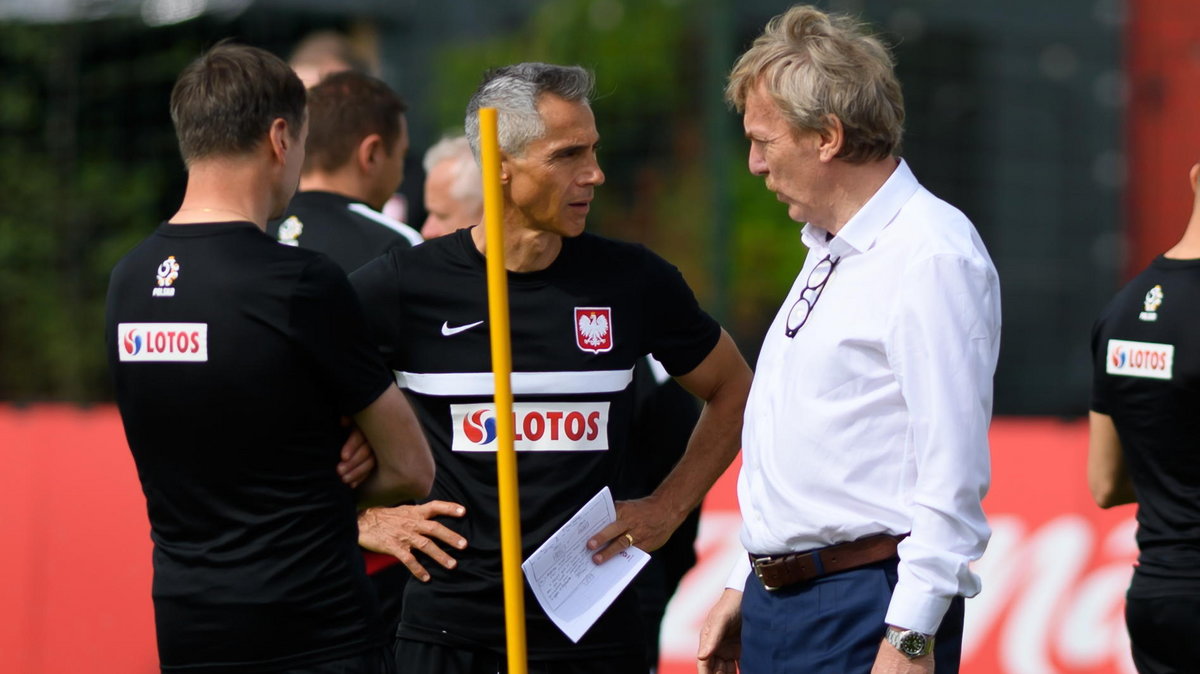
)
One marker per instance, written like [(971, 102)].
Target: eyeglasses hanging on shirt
[(802, 309)]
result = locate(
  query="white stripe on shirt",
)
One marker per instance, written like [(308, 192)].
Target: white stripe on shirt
[(523, 383), (396, 226)]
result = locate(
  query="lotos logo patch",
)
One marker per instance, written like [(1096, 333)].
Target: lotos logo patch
[(1140, 359), (538, 427), (593, 329), (480, 427), (163, 342)]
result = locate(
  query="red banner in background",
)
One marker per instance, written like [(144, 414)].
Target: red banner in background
[(1054, 575), (76, 595), (76, 568)]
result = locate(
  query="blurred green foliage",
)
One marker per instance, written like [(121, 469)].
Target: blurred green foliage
[(88, 163), (75, 198), (652, 93)]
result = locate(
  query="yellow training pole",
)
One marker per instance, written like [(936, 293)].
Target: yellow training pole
[(506, 456)]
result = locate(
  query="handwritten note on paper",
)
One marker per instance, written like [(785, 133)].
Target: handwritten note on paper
[(570, 587)]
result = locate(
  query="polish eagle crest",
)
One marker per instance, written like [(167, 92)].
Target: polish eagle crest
[(593, 328)]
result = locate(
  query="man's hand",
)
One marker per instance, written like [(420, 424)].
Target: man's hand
[(721, 637), (645, 522), (722, 381), (358, 459), (401, 530), (891, 661)]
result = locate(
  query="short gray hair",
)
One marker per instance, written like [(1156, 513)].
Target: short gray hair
[(467, 185), (514, 92)]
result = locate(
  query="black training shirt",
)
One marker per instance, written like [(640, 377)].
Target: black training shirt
[(350, 232), (1146, 360), (233, 358), (578, 328)]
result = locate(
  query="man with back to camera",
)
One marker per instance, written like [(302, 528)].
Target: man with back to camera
[(453, 189), (584, 309), (233, 360), (1143, 430), (354, 161), (865, 450)]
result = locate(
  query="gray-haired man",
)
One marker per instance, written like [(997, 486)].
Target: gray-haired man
[(453, 193), (584, 309)]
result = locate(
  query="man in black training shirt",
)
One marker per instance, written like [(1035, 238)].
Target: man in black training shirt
[(664, 416), (1145, 445), (584, 309), (234, 359), (357, 140)]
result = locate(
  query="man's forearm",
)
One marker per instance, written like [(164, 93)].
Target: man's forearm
[(716, 439)]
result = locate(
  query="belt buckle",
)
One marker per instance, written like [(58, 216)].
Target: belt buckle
[(757, 565)]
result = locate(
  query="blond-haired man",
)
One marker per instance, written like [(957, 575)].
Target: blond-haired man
[(865, 438)]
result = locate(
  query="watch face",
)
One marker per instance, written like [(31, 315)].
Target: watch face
[(912, 643)]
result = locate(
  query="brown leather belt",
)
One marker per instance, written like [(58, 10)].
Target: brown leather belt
[(776, 571)]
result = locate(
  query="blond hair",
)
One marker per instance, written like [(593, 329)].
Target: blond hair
[(815, 64)]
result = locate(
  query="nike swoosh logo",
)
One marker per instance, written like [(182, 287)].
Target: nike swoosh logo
[(449, 331)]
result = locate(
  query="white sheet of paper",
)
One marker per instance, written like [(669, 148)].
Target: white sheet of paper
[(570, 587)]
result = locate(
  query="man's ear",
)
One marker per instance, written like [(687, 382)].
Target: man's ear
[(833, 137), (1194, 178), (280, 138), (369, 153), (505, 169)]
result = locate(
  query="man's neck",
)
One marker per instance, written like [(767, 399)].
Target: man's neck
[(851, 188), (525, 250), (343, 182), (224, 191), (1188, 247)]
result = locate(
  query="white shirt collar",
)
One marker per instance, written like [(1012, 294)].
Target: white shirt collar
[(861, 230)]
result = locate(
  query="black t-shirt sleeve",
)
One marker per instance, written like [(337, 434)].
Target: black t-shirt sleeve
[(680, 334), (378, 290), (327, 323), (399, 243)]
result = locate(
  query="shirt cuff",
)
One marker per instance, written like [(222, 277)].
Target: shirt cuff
[(914, 610), (739, 573)]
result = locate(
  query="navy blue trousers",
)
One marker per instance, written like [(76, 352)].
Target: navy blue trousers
[(832, 625)]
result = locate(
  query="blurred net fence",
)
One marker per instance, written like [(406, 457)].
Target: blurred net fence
[(1014, 116)]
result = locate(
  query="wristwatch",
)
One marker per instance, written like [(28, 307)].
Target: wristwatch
[(911, 643)]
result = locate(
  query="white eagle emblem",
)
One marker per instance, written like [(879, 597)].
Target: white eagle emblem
[(290, 231), (1154, 300), (168, 271), (593, 328)]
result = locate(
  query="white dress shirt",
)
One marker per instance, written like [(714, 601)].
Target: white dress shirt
[(874, 417)]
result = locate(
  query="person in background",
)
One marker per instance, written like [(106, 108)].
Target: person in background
[(865, 449), (234, 360), (324, 53), (357, 140), (664, 416), (1142, 444), (453, 189)]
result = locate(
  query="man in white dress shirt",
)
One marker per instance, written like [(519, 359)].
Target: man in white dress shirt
[(865, 438)]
